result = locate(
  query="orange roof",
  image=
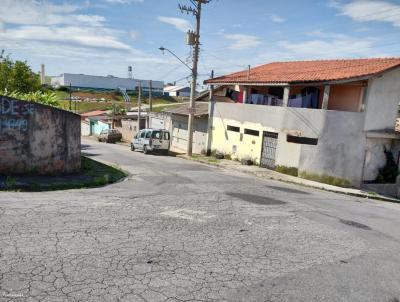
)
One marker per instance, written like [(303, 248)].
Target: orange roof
[(93, 113), (309, 71)]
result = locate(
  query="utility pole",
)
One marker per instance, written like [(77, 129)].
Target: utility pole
[(194, 40), (139, 103), (70, 96)]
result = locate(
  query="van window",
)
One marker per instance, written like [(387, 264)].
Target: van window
[(142, 134), (148, 134), (156, 134), (166, 136)]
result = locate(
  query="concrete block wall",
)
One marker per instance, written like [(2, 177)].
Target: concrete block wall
[(38, 139)]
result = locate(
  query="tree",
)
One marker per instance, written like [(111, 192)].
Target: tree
[(17, 76)]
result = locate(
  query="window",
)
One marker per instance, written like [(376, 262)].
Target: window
[(148, 134), (156, 134), (251, 132), (302, 140), (233, 128), (142, 134), (166, 135)]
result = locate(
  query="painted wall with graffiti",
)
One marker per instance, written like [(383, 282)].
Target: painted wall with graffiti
[(38, 139)]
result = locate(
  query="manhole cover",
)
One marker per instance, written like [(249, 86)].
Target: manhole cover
[(355, 224), (256, 199), (288, 190)]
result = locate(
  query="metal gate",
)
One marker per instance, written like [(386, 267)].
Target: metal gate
[(270, 141)]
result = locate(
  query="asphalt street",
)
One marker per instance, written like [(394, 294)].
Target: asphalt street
[(177, 230)]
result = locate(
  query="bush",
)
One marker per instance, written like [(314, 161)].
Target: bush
[(45, 98), (287, 170), (389, 172)]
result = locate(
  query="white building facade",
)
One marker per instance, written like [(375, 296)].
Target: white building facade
[(106, 83)]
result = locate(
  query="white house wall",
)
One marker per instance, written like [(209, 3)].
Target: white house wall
[(340, 151)]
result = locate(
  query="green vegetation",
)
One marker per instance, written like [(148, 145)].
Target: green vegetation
[(287, 170), (330, 180), (205, 159), (17, 76), (93, 174), (45, 98)]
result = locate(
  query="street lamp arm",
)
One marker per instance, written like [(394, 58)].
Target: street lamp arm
[(166, 49)]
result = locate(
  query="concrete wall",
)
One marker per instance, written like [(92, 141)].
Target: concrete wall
[(383, 97), (179, 133), (177, 126), (339, 153), (38, 139), (341, 148), (97, 126), (85, 128), (129, 128)]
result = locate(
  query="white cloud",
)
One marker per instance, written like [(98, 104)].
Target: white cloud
[(277, 19), (366, 11), (31, 12), (241, 41), (179, 23), (332, 48), (83, 36)]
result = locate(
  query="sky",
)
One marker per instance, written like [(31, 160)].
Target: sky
[(104, 37)]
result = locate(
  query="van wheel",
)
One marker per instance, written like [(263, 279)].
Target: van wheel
[(145, 151), (132, 147)]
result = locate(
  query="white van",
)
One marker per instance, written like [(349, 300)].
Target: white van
[(150, 140)]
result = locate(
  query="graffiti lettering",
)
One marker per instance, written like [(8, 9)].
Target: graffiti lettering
[(13, 124), (10, 107)]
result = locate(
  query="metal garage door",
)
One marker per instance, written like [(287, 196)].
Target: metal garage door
[(268, 154)]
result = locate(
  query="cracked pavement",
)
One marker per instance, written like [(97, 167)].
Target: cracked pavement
[(177, 230)]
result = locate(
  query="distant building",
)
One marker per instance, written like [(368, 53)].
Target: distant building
[(180, 91), (105, 83)]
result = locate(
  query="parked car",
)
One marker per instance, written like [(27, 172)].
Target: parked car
[(110, 136), (151, 140)]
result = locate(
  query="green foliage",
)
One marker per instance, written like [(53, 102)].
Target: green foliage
[(327, 179), (228, 156), (17, 76), (45, 98), (287, 170), (389, 172)]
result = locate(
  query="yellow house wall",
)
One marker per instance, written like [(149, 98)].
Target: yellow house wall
[(247, 146)]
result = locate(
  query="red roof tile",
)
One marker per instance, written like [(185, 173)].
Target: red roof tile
[(309, 71)]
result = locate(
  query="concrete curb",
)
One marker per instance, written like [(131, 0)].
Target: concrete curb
[(298, 181)]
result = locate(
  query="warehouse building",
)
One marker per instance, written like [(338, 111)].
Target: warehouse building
[(82, 81)]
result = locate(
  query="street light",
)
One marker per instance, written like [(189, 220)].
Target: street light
[(166, 49)]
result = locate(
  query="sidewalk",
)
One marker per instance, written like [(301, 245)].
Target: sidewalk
[(270, 174)]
